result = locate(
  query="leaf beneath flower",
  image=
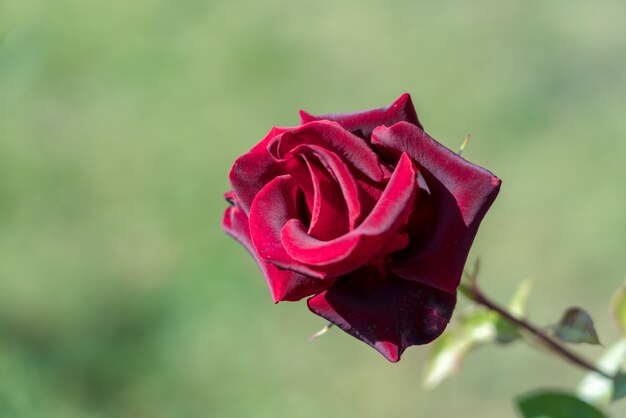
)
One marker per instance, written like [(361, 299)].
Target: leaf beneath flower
[(619, 387), (549, 404), (619, 307), (576, 326), (507, 331), (449, 350), (597, 389), (478, 327)]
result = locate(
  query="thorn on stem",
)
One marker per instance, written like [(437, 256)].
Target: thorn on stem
[(473, 276), (464, 144), (469, 287), (321, 332)]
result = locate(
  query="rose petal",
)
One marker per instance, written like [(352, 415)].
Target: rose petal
[(254, 170), (271, 209), (363, 123), (331, 136), (356, 248), (388, 313), (460, 195), (284, 285), (305, 161), (329, 216)]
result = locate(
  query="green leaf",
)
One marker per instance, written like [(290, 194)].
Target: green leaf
[(517, 305), (576, 326), (618, 306), (597, 389), (551, 404), (508, 332), (449, 350), (477, 328), (619, 387), (446, 357)]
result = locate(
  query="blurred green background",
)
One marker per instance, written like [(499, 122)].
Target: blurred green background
[(121, 297)]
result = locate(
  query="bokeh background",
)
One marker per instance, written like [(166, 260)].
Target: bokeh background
[(121, 297)]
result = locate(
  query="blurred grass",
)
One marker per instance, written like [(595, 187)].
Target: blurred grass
[(121, 297)]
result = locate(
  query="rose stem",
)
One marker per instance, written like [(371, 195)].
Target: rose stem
[(549, 342)]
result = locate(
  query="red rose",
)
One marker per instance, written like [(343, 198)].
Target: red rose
[(367, 214)]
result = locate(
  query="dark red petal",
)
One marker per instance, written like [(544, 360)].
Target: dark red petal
[(363, 123), (396, 242), (356, 248), (329, 215), (271, 209), (331, 136), (254, 170), (460, 195), (284, 285), (387, 313)]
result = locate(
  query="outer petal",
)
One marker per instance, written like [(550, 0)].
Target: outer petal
[(363, 123), (272, 208), (253, 170), (460, 194), (284, 285), (354, 249), (388, 313)]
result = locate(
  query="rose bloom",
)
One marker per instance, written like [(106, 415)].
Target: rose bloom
[(367, 215)]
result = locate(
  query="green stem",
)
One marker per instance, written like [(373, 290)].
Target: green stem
[(546, 340)]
